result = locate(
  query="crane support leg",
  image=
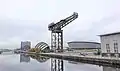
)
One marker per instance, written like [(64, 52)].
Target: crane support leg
[(57, 46), (57, 41)]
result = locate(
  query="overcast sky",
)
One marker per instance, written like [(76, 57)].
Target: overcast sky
[(22, 20)]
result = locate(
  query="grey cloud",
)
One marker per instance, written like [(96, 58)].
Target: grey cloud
[(28, 20), (95, 28), (18, 30)]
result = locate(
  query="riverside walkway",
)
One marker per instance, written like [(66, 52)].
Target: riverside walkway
[(97, 60)]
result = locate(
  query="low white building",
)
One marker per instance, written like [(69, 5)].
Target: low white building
[(84, 47), (110, 44), (25, 45)]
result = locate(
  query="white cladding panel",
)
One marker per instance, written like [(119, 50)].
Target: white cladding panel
[(111, 39)]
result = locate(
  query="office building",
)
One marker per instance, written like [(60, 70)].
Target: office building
[(25, 45), (110, 44)]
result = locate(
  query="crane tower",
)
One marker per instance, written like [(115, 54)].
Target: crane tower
[(57, 39)]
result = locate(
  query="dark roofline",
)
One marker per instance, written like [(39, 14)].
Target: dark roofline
[(83, 42), (110, 34)]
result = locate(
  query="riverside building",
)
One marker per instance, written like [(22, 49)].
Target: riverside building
[(110, 44), (25, 45)]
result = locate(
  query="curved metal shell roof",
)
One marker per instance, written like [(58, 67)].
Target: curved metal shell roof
[(83, 44)]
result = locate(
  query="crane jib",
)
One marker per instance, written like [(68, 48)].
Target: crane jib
[(64, 22)]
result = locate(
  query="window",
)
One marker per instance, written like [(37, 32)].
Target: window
[(108, 48), (116, 47)]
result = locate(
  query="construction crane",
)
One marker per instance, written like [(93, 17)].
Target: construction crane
[(57, 39)]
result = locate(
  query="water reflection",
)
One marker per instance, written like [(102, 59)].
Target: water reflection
[(61, 65), (57, 65), (110, 69), (39, 58), (104, 68), (24, 58), (73, 62)]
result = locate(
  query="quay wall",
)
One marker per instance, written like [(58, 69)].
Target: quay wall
[(104, 61)]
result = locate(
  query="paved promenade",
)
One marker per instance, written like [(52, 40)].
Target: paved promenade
[(98, 60)]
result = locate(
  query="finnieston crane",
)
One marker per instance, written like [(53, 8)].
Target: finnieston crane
[(57, 39), (57, 32)]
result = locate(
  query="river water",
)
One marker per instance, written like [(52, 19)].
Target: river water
[(20, 62)]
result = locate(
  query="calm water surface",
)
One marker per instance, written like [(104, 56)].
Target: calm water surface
[(17, 62)]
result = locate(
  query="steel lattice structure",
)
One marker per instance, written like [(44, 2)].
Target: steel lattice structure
[(57, 39)]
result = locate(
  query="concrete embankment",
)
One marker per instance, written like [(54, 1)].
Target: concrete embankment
[(104, 61)]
